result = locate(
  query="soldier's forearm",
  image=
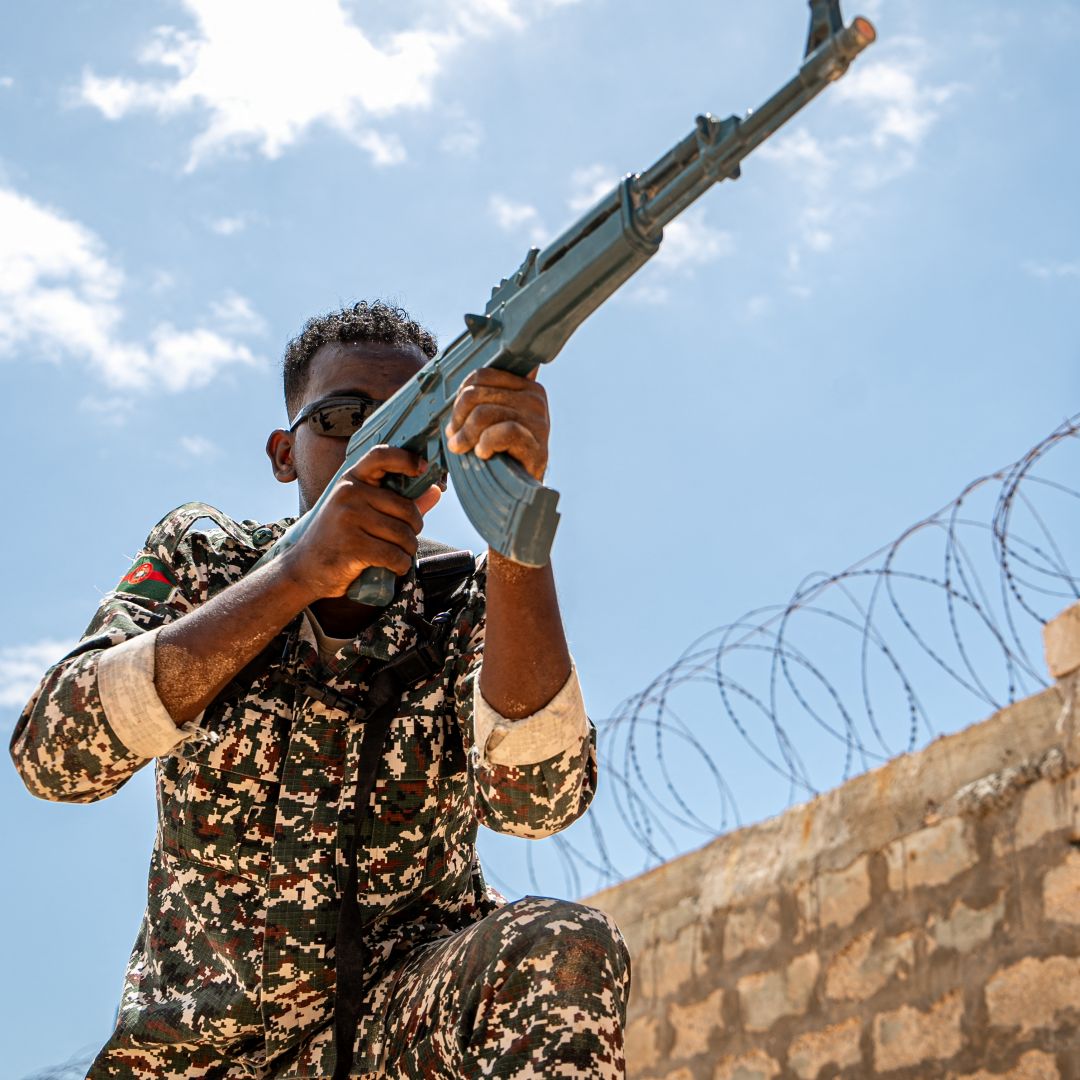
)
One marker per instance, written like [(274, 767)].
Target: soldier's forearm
[(197, 656), (526, 659)]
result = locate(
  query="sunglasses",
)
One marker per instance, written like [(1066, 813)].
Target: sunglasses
[(339, 417)]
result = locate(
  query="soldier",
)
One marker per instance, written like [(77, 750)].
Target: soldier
[(316, 906)]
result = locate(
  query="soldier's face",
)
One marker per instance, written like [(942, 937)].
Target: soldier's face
[(377, 371)]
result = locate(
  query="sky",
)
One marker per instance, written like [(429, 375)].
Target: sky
[(884, 306)]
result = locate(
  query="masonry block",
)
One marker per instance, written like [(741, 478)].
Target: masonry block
[(861, 969), (930, 856), (1061, 891), (718, 996), (687, 912), (1030, 994), (640, 1044), (834, 897), (1045, 809), (1034, 1065), (1061, 642), (757, 1065), (772, 994), (965, 928), (906, 1037), (836, 1045), (694, 1023), (674, 962), (752, 929)]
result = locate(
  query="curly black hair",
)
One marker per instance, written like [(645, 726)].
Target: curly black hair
[(366, 322)]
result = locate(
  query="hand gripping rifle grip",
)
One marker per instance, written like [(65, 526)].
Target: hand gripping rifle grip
[(377, 584), (374, 587)]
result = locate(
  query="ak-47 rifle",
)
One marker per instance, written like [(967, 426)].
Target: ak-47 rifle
[(532, 314)]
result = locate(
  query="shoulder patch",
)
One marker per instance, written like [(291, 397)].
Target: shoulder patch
[(148, 577)]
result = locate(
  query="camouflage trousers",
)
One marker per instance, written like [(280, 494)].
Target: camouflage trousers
[(538, 989)]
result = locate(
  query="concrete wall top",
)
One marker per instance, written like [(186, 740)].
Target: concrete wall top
[(971, 771)]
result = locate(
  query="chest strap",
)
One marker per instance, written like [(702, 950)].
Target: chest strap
[(352, 956)]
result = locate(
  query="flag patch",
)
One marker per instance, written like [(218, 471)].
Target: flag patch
[(148, 577)]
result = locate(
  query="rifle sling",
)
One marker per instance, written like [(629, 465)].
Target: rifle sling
[(442, 572), (352, 956)]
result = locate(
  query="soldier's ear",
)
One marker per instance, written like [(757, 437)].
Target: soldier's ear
[(279, 449)]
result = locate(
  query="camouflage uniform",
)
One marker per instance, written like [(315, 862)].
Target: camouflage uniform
[(232, 973)]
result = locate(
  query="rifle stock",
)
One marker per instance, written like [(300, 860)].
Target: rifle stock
[(531, 315)]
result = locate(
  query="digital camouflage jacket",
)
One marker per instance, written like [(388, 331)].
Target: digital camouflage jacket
[(234, 961)]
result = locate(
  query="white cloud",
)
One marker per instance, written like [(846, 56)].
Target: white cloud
[(265, 72), (648, 293), (22, 666), (886, 107), (229, 225), (516, 217), (161, 281), (112, 410), (589, 185), (689, 242), (903, 107), (198, 446), (6, 82), (1052, 271), (758, 307), (60, 297), (235, 315), (384, 149), (464, 139), (801, 153)]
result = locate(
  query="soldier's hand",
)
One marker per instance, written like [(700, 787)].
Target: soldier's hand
[(361, 524), (497, 411)]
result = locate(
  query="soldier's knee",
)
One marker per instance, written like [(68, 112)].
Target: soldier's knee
[(577, 936)]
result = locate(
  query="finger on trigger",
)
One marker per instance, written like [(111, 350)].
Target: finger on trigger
[(391, 504), (392, 531), (389, 555), (382, 461)]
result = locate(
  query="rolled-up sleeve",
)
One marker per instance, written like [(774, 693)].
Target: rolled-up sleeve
[(534, 776), (559, 726), (95, 718), (130, 699)]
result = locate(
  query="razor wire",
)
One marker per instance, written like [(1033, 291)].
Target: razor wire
[(929, 633)]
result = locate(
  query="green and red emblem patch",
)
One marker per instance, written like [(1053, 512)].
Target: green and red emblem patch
[(148, 577)]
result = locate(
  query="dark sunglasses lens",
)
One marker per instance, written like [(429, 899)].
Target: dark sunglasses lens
[(340, 420)]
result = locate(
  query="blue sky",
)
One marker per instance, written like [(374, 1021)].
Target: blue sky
[(883, 307)]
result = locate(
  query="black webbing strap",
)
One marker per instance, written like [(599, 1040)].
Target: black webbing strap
[(352, 956), (441, 575), (442, 570)]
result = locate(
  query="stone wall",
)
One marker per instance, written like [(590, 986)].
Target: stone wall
[(922, 921)]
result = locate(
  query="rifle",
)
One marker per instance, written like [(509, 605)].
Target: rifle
[(532, 313)]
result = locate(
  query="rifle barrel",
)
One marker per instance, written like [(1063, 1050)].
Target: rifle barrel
[(713, 152)]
